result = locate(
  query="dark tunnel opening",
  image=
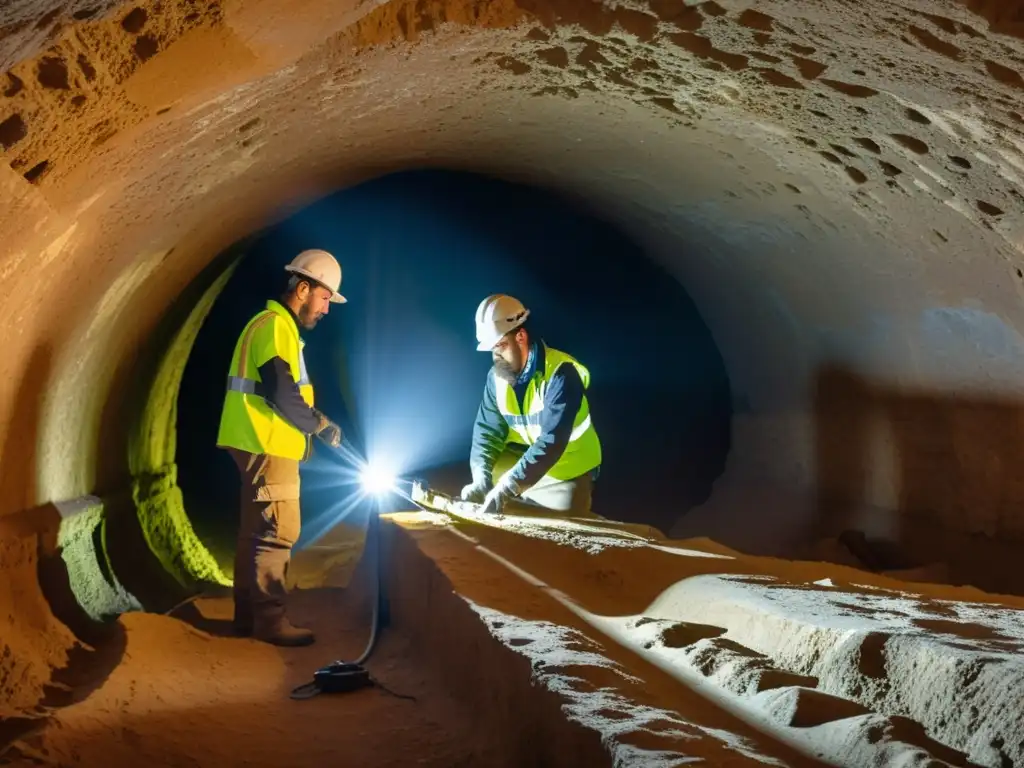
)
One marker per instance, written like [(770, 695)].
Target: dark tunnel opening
[(397, 365)]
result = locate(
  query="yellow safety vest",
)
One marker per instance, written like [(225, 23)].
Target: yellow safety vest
[(583, 453), (248, 422)]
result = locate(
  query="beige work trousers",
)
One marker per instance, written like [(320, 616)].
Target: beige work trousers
[(269, 526), (573, 496)]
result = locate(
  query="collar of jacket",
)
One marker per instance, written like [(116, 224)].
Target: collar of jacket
[(534, 361)]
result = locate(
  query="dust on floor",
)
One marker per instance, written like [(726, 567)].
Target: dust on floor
[(186, 693)]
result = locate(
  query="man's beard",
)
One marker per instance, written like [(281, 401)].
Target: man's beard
[(504, 371), (307, 317)]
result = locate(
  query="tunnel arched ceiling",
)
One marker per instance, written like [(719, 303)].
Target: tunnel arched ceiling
[(838, 189)]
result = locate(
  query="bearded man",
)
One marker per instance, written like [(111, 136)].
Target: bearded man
[(267, 425), (533, 438)]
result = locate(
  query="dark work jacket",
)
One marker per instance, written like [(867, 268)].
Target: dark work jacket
[(562, 399)]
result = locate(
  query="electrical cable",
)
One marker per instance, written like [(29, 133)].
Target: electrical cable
[(341, 676), (344, 677)]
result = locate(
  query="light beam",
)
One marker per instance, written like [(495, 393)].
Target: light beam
[(377, 480)]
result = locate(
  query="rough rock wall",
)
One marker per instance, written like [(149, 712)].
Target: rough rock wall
[(838, 186)]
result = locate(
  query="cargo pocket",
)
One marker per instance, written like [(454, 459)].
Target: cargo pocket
[(278, 484)]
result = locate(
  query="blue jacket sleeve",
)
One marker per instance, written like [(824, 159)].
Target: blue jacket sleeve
[(490, 432), (280, 390), (562, 399)]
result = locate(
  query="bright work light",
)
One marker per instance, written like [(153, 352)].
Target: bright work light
[(377, 480)]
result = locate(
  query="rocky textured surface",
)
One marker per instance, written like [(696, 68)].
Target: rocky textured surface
[(838, 664), (798, 146), (838, 186)]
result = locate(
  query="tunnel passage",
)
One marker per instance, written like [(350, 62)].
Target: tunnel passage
[(397, 366), (782, 225), (843, 181)]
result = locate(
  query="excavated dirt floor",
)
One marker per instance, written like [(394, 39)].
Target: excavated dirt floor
[(547, 641), (188, 694)]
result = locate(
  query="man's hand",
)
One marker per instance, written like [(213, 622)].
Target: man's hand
[(476, 492), (329, 432), (494, 502)]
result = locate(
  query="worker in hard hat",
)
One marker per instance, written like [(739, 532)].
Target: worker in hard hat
[(267, 426), (534, 419)]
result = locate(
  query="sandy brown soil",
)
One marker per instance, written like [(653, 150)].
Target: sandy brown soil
[(184, 693), (856, 668), (542, 640)]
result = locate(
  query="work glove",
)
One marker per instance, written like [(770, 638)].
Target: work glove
[(329, 432), (476, 492), (494, 502)]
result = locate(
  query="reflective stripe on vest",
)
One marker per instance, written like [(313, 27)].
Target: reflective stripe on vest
[(529, 427), (262, 319), (252, 386), (303, 373), (245, 386), (583, 452), (249, 422), (579, 429)]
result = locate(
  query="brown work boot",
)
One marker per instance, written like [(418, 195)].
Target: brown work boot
[(241, 627), (241, 623), (284, 634)]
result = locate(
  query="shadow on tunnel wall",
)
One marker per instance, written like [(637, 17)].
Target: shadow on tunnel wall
[(922, 480), (146, 576), (100, 644), (18, 459)]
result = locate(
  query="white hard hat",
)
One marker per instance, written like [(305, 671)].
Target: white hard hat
[(497, 315), (322, 267)]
